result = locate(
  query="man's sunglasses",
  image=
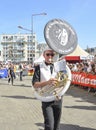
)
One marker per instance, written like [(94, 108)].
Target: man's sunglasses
[(49, 54)]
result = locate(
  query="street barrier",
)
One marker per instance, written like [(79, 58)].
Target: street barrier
[(3, 73), (84, 79)]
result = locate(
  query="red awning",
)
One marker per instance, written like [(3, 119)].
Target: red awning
[(72, 58)]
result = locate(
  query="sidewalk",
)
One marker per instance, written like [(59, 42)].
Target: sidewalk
[(19, 110)]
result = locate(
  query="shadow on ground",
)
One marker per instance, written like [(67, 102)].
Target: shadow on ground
[(22, 85), (19, 97), (66, 127), (82, 107)]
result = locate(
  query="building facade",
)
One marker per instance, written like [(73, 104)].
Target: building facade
[(19, 47)]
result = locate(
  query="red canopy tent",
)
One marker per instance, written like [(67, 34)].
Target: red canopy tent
[(76, 55)]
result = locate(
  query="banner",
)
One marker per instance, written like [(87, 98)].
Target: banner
[(84, 79), (3, 73)]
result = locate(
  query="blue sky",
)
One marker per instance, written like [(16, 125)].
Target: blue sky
[(79, 13)]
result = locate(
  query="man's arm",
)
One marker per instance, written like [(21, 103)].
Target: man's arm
[(36, 75)]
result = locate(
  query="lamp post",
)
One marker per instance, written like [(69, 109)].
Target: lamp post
[(32, 23), (32, 32)]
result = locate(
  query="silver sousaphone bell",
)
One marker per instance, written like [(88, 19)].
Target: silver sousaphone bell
[(62, 38)]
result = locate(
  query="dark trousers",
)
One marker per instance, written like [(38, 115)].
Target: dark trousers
[(52, 114), (21, 72), (10, 79)]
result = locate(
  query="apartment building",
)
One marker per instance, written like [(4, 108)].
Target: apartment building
[(19, 47)]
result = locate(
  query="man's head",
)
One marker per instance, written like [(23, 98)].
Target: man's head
[(48, 54)]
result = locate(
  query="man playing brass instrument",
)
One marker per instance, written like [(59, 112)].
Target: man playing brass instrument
[(43, 76)]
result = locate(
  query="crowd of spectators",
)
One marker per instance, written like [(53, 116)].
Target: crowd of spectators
[(88, 66), (25, 67), (84, 66)]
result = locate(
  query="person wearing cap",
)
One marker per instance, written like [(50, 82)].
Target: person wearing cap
[(44, 76)]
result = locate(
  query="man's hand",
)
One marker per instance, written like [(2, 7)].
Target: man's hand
[(52, 81)]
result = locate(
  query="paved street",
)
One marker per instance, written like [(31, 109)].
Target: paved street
[(19, 110)]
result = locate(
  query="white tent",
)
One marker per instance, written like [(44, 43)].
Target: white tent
[(81, 53), (78, 54)]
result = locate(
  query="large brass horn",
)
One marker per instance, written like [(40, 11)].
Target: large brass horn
[(61, 37)]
